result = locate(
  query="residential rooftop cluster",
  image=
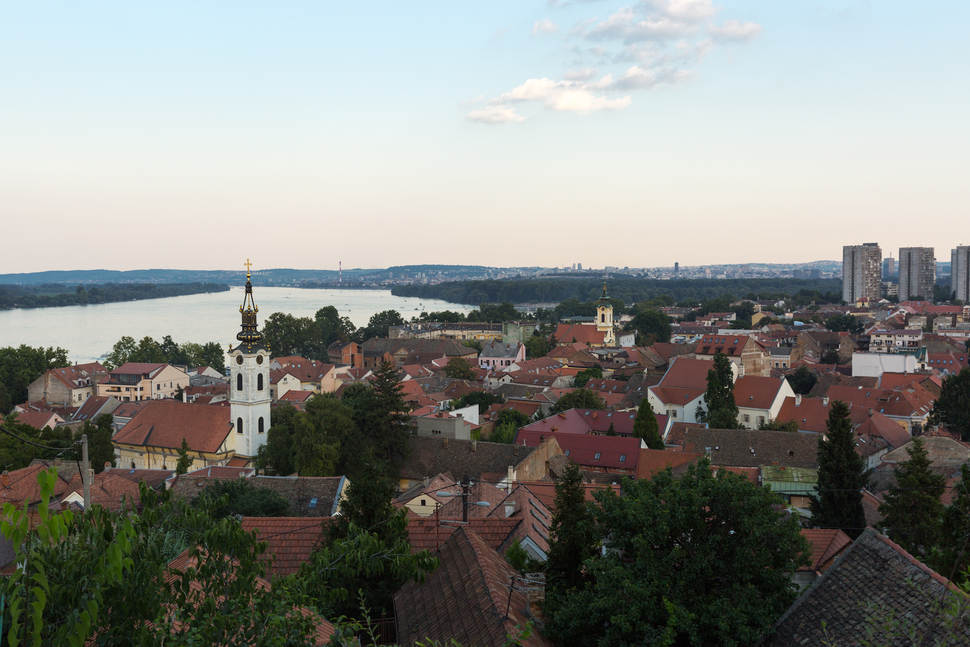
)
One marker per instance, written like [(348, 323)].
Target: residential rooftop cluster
[(579, 402)]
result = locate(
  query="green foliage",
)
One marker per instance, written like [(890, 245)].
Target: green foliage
[(279, 452), (229, 497), (458, 368), (651, 326), (802, 380), (318, 435), (54, 295), (645, 426), (587, 374), (722, 411), (483, 399), (504, 432), (842, 475), (332, 327), (845, 323), (776, 425), (578, 399), (952, 407), (22, 365), (188, 354), (100, 449), (288, 335), (379, 325), (381, 416), (912, 511), (629, 290), (537, 346), (473, 343), (951, 556), (185, 461), (513, 417), (494, 313), (703, 559), (516, 556), (572, 538), (15, 454)]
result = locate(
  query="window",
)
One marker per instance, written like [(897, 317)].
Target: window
[(423, 502), (747, 418), (158, 387), (622, 458), (673, 414), (132, 464), (761, 420), (596, 457), (567, 452), (239, 428), (259, 382), (603, 317), (239, 381), (261, 430)]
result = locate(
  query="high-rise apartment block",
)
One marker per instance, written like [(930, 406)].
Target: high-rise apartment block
[(960, 272), (861, 272), (917, 272)]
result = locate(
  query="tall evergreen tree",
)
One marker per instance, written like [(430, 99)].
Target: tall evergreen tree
[(913, 512), (645, 426), (571, 538), (391, 424), (722, 410), (842, 475), (952, 408), (951, 558), (184, 462)]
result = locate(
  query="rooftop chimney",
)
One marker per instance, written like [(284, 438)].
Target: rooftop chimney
[(798, 400), (825, 400), (474, 445)]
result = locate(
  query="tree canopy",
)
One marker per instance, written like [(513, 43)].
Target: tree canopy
[(22, 365), (842, 475), (167, 351), (703, 559), (952, 407), (912, 510), (722, 411), (651, 326), (645, 426), (458, 368), (578, 399), (802, 380)]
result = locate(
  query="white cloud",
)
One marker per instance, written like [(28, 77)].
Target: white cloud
[(638, 78), (686, 10), (584, 74), (495, 114), (544, 26), (626, 26), (736, 30), (565, 96)]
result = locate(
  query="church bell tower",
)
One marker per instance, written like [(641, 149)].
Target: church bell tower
[(604, 318), (249, 398)]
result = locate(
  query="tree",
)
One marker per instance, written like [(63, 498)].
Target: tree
[(379, 325), (289, 335), (536, 346), (611, 430), (951, 556), (802, 380), (952, 407), (651, 326), (587, 374), (22, 365), (381, 415), (332, 327), (317, 434), (100, 449), (483, 399), (722, 411), (578, 399), (279, 451), (842, 475), (571, 536), (20, 446), (473, 343), (912, 511), (504, 432), (645, 426), (229, 497), (776, 425), (513, 417), (184, 462), (844, 323), (458, 368), (703, 559)]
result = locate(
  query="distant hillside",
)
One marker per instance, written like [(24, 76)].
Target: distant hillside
[(630, 290), (52, 295)]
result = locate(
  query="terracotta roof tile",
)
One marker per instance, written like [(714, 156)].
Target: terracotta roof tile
[(289, 540), (164, 423)]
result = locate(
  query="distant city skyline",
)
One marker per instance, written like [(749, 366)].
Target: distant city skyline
[(506, 134)]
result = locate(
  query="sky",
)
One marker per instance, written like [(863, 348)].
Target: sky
[(505, 133)]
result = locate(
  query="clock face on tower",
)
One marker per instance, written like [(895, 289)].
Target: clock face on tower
[(239, 359), (259, 359)]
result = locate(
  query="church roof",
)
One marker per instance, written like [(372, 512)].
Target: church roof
[(164, 423)]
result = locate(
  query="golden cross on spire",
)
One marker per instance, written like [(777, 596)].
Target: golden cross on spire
[(248, 265)]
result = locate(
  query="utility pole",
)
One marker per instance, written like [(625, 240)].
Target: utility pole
[(85, 473), (464, 499)]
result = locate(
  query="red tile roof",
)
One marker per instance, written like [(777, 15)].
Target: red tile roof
[(584, 421), (595, 452), (655, 460), (108, 490), (826, 544), (756, 392), (20, 486), (465, 598), (38, 419), (164, 423), (579, 333), (89, 410), (289, 540), (79, 374), (429, 533)]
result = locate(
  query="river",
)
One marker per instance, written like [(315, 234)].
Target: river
[(89, 332)]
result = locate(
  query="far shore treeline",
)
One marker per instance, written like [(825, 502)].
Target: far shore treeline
[(630, 290), (51, 295)]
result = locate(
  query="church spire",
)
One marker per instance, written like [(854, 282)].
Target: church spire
[(249, 335)]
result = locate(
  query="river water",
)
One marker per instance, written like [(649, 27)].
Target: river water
[(89, 332)]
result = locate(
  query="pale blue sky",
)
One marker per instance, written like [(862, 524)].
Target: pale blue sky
[(186, 134)]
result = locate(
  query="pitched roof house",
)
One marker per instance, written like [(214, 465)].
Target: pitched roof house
[(474, 597), (68, 386)]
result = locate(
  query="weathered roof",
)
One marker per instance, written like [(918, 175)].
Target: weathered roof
[(289, 540), (465, 598), (309, 496), (872, 571), (430, 456), (429, 533), (20, 486), (585, 421), (164, 423), (942, 451), (747, 448), (500, 350), (826, 544), (756, 392)]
